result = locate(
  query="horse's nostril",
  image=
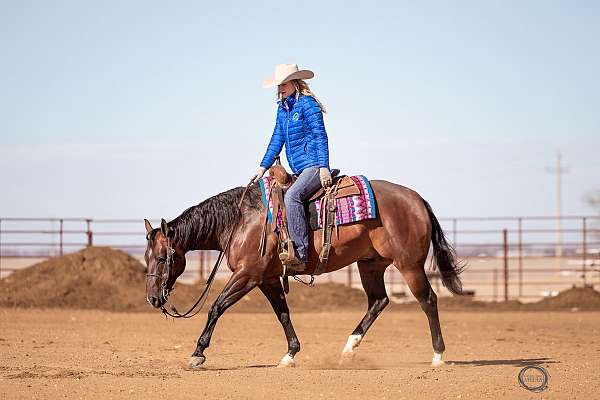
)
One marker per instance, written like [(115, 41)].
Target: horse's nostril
[(154, 301)]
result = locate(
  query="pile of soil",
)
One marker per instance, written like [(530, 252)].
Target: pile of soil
[(584, 299), (464, 303), (96, 277), (467, 303), (574, 299), (109, 279)]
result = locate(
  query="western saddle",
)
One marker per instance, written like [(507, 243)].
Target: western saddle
[(342, 186)]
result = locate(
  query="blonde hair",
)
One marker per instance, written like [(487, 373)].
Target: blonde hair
[(303, 88)]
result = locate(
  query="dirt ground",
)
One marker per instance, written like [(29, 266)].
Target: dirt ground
[(101, 340), (50, 354)]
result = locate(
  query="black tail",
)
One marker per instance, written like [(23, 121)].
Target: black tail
[(445, 255)]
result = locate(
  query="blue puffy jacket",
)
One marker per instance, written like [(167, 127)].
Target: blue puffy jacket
[(300, 126)]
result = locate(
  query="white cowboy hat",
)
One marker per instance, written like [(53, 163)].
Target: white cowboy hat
[(285, 73)]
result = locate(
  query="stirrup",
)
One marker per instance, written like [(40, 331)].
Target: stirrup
[(291, 263), (284, 255), (291, 268)]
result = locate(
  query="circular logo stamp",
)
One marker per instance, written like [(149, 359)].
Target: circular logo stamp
[(534, 378), (295, 117)]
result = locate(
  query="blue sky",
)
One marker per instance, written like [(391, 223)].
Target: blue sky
[(143, 108)]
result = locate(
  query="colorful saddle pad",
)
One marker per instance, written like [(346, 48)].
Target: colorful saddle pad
[(349, 209)]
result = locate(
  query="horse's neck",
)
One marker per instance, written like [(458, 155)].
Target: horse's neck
[(201, 244), (208, 225), (191, 241)]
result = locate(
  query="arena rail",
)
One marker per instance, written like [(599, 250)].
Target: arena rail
[(507, 257)]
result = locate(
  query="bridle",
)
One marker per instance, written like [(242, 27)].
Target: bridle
[(166, 291), (197, 307)]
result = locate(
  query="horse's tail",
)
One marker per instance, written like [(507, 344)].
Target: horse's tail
[(444, 255)]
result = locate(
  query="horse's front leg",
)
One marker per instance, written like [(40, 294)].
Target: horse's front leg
[(273, 291), (238, 286)]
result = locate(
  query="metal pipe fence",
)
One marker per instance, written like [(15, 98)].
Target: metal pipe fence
[(508, 257)]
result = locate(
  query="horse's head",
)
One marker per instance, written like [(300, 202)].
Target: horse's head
[(165, 261)]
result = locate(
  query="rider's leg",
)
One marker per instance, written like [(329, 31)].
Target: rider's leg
[(307, 183)]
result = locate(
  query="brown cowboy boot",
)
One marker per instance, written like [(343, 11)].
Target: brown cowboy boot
[(288, 258), (292, 263)]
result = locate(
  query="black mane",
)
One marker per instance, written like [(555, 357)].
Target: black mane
[(204, 226)]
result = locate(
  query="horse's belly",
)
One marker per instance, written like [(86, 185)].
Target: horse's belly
[(352, 244)]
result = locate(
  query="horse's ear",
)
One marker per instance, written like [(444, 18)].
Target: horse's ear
[(164, 228), (148, 226)]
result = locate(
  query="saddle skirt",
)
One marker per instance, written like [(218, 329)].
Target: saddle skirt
[(354, 201)]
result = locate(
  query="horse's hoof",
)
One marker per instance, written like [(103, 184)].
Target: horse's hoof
[(196, 361), (437, 360), (286, 362)]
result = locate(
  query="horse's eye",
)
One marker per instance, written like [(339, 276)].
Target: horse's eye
[(162, 259)]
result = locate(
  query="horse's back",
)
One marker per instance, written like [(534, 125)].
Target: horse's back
[(390, 193), (401, 208)]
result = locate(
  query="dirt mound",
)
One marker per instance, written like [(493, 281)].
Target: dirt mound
[(575, 299), (467, 303), (96, 277), (463, 303), (584, 299), (108, 279)]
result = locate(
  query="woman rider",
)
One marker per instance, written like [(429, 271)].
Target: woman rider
[(299, 125)]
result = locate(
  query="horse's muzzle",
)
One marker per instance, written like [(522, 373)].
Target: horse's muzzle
[(159, 301), (155, 301)]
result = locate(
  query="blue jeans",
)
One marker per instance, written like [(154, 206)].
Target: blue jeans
[(309, 181)]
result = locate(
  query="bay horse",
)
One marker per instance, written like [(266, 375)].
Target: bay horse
[(400, 235)]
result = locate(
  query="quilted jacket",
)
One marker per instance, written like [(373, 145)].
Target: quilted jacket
[(299, 125)]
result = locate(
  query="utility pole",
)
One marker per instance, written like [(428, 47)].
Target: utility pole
[(558, 170)]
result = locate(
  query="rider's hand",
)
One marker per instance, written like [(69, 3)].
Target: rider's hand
[(325, 176), (258, 175)]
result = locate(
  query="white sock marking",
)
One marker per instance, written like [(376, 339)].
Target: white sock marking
[(287, 361), (437, 359), (352, 343)]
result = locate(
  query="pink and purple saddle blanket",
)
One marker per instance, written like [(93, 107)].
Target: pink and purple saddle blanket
[(349, 209)]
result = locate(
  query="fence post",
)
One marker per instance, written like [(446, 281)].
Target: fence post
[(495, 285), (505, 245), (61, 237), (520, 250), (584, 250), (454, 233), (0, 247), (90, 238)]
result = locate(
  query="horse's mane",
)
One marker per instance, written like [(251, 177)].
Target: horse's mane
[(205, 224)]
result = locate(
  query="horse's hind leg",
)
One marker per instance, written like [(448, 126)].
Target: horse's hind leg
[(419, 286), (371, 277), (273, 291)]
